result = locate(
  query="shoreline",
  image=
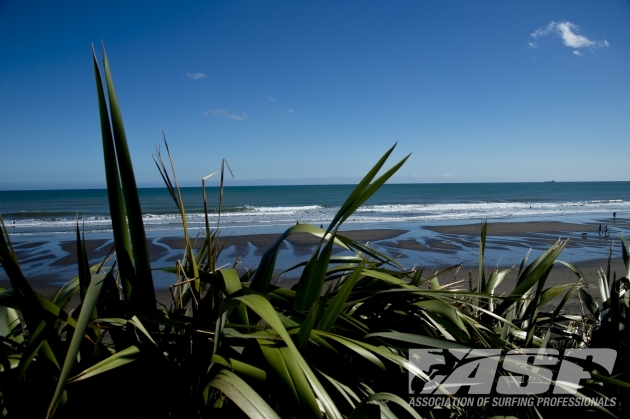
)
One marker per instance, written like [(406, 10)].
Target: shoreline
[(47, 265)]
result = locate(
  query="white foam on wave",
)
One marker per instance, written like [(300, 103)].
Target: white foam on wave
[(281, 210), (315, 214), (497, 208)]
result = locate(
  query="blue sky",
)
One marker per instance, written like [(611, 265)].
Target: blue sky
[(303, 92)]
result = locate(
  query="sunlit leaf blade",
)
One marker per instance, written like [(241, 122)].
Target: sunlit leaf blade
[(609, 380), (231, 281), (371, 189), (444, 310), (481, 279), (354, 346), (312, 279), (336, 305), (532, 274), (388, 278), (417, 276), (625, 252), (389, 397), (242, 395), (176, 194), (348, 394), (22, 291), (424, 341), (572, 267), (590, 302), (273, 357), (87, 309), (239, 367), (379, 350), (118, 214), (264, 273), (359, 189), (119, 359), (215, 249), (304, 335), (551, 293), (603, 287), (302, 385), (210, 257), (9, 318), (144, 292), (262, 307), (496, 278), (84, 267)]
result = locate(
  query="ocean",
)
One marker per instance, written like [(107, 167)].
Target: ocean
[(259, 209), (42, 224)]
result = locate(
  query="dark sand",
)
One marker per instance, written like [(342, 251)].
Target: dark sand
[(267, 240), (513, 229), (500, 235)]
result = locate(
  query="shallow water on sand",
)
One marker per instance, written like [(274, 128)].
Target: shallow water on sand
[(52, 258)]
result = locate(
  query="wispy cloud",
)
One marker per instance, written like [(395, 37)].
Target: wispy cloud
[(290, 110), (196, 76), (578, 53), (272, 99), (223, 112), (570, 35), (445, 175)]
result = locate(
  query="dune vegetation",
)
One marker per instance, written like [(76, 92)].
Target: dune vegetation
[(336, 345)]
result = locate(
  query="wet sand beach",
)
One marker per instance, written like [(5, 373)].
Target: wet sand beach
[(433, 247)]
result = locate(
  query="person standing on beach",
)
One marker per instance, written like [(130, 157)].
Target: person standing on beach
[(600, 229)]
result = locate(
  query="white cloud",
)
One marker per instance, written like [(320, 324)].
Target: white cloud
[(576, 52), (223, 112), (290, 110), (544, 31), (196, 76), (568, 32), (570, 35), (533, 45)]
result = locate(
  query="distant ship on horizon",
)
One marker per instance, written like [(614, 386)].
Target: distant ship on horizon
[(550, 181)]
